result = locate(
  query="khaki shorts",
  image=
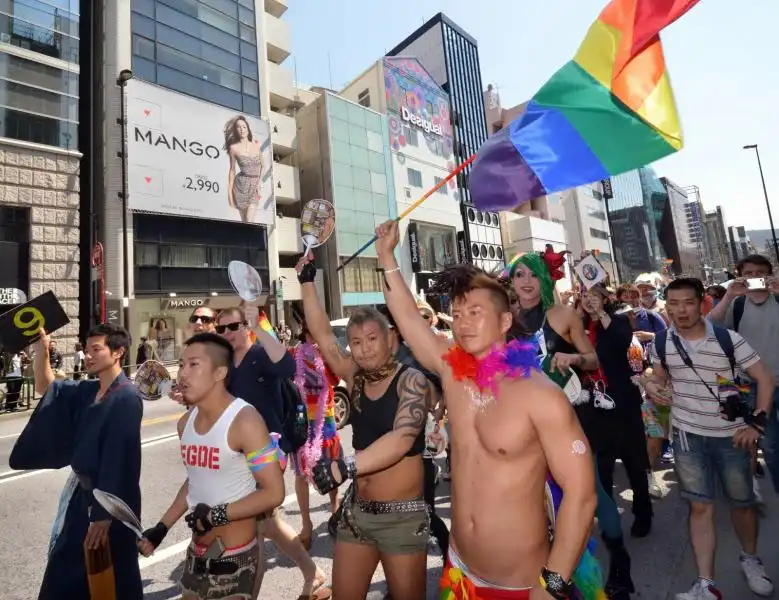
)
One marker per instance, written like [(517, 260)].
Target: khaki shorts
[(400, 527)]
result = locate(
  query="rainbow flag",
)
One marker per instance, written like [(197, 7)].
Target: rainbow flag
[(728, 386), (609, 110)]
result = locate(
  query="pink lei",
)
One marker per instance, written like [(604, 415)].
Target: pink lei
[(311, 451)]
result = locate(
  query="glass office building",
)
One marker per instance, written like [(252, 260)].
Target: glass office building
[(206, 49), (451, 56)]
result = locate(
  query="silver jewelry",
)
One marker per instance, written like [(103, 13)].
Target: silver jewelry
[(391, 270)]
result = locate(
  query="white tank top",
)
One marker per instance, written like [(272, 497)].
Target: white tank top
[(217, 473)]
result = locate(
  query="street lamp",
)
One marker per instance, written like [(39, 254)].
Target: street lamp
[(765, 192), (124, 76)]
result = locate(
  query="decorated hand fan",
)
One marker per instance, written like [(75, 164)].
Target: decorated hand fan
[(118, 509), (317, 224), (153, 380), (245, 280)]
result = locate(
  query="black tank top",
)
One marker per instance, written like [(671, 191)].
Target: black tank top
[(377, 417), (557, 343)]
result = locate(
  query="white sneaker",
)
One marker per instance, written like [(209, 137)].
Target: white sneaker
[(699, 592), (654, 489), (756, 577)]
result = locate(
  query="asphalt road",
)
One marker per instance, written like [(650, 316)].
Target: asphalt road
[(662, 562)]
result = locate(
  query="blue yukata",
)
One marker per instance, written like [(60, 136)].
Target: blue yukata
[(101, 442)]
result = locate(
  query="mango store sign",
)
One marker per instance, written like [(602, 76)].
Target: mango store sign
[(415, 119)]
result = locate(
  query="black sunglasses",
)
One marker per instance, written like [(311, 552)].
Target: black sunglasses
[(231, 326), (205, 319)]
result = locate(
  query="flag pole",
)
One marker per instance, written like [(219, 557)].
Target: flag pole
[(406, 212)]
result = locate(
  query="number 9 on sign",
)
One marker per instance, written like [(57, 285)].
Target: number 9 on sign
[(29, 320)]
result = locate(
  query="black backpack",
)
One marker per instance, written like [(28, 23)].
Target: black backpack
[(738, 309), (294, 416)]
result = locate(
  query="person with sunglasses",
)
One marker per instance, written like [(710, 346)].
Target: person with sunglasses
[(258, 369), (202, 320)]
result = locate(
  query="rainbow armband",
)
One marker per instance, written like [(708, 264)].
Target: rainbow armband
[(271, 453)]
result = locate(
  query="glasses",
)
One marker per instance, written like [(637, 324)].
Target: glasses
[(205, 319), (231, 326)]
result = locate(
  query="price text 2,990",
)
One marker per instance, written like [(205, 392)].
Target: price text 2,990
[(201, 185)]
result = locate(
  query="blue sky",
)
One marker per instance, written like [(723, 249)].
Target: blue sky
[(722, 60)]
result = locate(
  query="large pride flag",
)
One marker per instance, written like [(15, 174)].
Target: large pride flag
[(609, 110)]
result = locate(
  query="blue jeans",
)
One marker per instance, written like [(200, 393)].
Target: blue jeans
[(770, 442), (703, 464), (607, 512)]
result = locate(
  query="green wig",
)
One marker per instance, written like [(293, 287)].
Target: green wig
[(534, 262)]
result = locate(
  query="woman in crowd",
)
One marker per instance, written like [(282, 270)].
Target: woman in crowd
[(315, 381), (611, 411)]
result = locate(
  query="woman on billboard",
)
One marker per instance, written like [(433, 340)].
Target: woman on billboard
[(243, 188)]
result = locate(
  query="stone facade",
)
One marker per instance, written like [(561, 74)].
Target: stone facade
[(47, 181)]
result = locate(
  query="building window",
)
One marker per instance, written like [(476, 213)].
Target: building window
[(364, 98), (208, 52), (414, 177), (412, 137), (596, 213), (437, 247), (15, 248), (443, 190), (599, 234), (360, 275)]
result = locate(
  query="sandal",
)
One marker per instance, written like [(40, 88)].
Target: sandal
[(319, 592), (305, 539)]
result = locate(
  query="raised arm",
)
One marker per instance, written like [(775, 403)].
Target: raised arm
[(571, 464), (318, 323), (427, 347), (41, 366), (276, 360)]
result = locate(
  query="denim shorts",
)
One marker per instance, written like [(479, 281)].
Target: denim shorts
[(703, 464)]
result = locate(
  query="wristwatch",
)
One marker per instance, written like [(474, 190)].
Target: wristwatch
[(554, 585)]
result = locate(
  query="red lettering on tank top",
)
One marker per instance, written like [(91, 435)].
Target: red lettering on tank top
[(206, 457)]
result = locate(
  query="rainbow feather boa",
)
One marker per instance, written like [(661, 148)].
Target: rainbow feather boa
[(305, 353), (588, 577)]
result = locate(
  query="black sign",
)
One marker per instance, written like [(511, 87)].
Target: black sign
[(462, 248), (20, 326), (608, 193), (413, 247), (425, 281), (113, 311)]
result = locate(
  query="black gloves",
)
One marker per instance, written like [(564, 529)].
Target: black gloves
[(323, 478), (307, 273), (198, 519), (156, 534)]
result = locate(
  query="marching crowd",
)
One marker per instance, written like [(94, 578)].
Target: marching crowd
[(533, 397)]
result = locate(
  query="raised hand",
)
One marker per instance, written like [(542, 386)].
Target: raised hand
[(306, 268), (388, 237)]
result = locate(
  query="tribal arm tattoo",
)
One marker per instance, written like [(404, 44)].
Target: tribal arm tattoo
[(414, 391)]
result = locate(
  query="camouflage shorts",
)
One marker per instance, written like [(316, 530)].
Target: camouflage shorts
[(232, 576)]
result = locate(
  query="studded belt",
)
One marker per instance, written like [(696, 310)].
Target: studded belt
[(396, 506)]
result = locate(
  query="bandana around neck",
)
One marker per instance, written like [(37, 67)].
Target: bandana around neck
[(483, 376), (371, 376)]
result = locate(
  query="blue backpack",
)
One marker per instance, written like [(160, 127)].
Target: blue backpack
[(723, 338)]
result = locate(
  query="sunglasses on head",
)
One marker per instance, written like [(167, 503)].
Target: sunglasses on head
[(205, 319), (231, 326)]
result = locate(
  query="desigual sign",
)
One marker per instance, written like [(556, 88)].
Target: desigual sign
[(413, 247), (428, 126)]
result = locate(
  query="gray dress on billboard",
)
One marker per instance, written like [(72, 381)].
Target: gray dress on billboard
[(246, 185)]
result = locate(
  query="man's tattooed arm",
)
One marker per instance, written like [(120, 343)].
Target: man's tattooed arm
[(414, 391)]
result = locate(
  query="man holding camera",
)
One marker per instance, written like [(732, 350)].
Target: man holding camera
[(713, 430), (751, 308)]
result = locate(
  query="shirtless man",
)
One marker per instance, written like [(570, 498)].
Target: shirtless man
[(384, 516), (233, 476), (502, 451)]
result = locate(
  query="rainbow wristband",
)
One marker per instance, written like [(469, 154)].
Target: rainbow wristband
[(271, 453)]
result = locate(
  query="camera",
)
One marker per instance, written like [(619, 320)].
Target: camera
[(732, 407)]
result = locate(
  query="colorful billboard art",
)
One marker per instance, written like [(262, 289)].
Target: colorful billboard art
[(414, 101)]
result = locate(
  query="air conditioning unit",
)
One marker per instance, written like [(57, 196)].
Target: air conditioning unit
[(408, 192)]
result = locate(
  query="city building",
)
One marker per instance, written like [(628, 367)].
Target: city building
[(421, 143), (740, 244), (42, 137), (345, 158), (697, 232), (718, 243), (199, 140), (451, 57), (648, 220)]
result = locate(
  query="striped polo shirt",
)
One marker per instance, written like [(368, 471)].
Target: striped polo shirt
[(695, 409)]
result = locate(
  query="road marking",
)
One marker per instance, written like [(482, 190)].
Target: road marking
[(178, 547), (145, 423), (8, 476)]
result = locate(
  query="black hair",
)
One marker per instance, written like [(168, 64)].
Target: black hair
[(458, 280), (716, 291), (367, 314), (116, 338), (687, 283), (754, 259), (219, 349)]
